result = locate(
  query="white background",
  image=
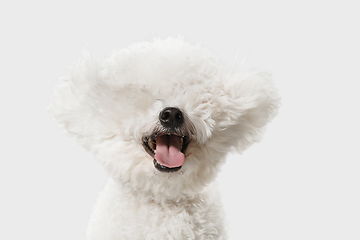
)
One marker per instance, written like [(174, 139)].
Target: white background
[(301, 182)]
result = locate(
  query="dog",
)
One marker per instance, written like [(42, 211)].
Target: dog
[(161, 116)]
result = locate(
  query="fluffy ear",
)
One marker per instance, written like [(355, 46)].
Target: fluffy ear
[(74, 103), (253, 103)]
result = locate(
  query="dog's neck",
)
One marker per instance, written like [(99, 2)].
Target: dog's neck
[(165, 199)]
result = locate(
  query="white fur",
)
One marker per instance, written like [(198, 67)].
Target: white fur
[(110, 107)]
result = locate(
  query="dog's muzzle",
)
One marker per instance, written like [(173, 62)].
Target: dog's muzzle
[(169, 140)]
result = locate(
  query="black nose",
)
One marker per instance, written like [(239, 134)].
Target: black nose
[(171, 117)]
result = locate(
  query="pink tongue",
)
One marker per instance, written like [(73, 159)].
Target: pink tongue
[(168, 151)]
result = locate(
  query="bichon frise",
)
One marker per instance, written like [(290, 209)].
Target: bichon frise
[(161, 116)]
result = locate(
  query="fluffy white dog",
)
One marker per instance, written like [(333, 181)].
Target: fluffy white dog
[(161, 117)]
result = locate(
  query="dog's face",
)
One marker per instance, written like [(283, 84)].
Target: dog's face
[(161, 116)]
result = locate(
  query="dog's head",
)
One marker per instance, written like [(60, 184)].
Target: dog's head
[(162, 115)]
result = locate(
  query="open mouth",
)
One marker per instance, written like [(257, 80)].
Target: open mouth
[(167, 150)]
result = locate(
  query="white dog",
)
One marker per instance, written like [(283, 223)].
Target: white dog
[(161, 116)]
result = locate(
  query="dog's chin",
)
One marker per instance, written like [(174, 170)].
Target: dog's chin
[(149, 144)]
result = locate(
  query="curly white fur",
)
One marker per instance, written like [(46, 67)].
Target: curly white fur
[(111, 107)]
